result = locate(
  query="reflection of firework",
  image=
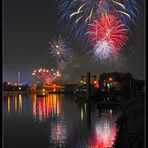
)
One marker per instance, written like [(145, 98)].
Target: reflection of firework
[(79, 13), (108, 34), (59, 49), (104, 135), (44, 107), (58, 133), (45, 75)]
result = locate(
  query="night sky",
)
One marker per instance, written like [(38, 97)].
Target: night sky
[(28, 27)]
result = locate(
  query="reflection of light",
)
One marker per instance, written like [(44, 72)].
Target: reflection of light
[(20, 102), (82, 114), (58, 133), (110, 112), (85, 107), (105, 134), (40, 110), (44, 106), (54, 103), (34, 106), (9, 103), (58, 106), (49, 105), (19, 88), (15, 103)]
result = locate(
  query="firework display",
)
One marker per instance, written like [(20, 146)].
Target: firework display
[(79, 13), (108, 34), (46, 76), (105, 23), (59, 49)]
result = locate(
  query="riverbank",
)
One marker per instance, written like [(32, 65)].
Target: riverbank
[(131, 124), (17, 92)]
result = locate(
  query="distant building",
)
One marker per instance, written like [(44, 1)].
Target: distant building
[(120, 81), (7, 86)]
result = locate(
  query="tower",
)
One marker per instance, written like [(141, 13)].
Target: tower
[(18, 78)]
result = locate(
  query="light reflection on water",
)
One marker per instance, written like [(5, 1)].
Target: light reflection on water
[(104, 133), (66, 120), (58, 133), (44, 107)]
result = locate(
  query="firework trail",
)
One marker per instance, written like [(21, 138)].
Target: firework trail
[(46, 76)]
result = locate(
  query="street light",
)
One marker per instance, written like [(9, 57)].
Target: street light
[(110, 79), (95, 82), (84, 82)]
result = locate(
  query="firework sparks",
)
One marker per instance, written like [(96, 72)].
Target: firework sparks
[(79, 13), (46, 76), (103, 49), (108, 34), (59, 49)]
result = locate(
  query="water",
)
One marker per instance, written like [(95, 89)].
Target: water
[(56, 121)]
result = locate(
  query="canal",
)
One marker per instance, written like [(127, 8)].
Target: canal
[(56, 121)]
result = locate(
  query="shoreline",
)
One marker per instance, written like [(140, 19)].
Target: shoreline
[(130, 124)]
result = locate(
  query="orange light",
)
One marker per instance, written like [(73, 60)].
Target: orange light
[(95, 82), (84, 82), (9, 104), (110, 79), (20, 102)]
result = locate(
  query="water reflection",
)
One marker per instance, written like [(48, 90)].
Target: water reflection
[(82, 114), (105, 130), (58, 133), (104, 134), (14, 103), (66, 121), (9, 104), (20, 103), (44, 107)]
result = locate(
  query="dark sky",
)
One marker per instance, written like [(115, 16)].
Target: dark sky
[(28, 26)]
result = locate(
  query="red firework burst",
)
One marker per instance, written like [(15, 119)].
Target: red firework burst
[(109, 29), (45, 75)]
